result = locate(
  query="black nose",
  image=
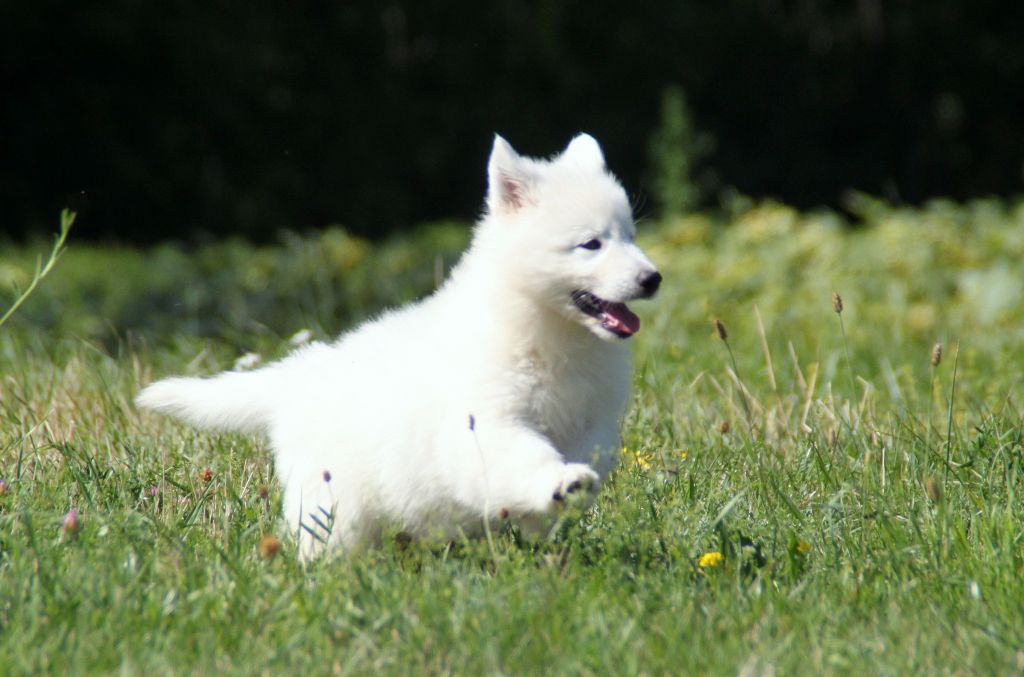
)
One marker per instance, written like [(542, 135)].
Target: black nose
[(650, 284)]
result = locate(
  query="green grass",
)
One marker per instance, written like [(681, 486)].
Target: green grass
[(869, 517)]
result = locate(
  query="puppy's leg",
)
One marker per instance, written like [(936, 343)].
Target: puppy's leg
[(519, 472), (322, 520), (599, 446), (323, 506)]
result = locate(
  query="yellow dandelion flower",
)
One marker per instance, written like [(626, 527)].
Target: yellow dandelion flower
[(638, 458), (683, 455), (710, 559)]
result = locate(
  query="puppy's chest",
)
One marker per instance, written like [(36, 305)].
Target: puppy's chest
[(560, 396)]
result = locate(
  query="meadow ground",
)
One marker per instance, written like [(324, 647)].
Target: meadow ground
[(813, 495)]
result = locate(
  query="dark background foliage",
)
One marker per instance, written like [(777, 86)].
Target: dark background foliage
[(168, 119)]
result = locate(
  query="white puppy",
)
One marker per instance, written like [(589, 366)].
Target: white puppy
[(496, 397)]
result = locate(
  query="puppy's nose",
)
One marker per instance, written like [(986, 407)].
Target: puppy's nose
[(650, 283)]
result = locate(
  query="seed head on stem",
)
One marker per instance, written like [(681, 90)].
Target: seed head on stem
[(837, 305), (935, 360), (724, 335)]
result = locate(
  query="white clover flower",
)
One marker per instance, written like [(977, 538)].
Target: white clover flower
[(247, 361), (301, 337)]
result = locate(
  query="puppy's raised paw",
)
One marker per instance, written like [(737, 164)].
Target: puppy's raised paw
[(577, 480)]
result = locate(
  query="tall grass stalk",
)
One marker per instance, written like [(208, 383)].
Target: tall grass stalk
[(837, 306), (67, 218), (935, 361), (724, 335), (487, 496), (949, 416)]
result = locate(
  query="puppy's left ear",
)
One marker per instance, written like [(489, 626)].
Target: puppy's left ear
[(586, 152)]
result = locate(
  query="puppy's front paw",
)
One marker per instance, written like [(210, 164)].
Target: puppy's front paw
[(577, 480)]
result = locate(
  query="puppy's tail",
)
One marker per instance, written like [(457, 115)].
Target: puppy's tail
[(229, 401)]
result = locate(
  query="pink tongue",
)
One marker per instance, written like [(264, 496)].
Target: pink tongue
[(618, 317)]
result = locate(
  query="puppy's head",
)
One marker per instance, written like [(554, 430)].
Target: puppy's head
[(567, 233)]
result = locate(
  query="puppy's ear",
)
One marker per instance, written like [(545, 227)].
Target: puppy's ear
[(508, 178), (585, 152)]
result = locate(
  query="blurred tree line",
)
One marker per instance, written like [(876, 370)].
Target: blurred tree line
[(168, 119)]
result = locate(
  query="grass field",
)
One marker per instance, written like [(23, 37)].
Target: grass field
[(866, 505)]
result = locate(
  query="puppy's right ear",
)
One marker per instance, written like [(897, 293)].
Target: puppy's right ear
[(508, 179)]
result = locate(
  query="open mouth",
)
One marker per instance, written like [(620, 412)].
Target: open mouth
[(614, 317)]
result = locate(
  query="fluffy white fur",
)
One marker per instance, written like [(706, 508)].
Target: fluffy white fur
[(495, 397)]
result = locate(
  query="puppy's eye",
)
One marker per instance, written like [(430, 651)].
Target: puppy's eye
[(591, 244)]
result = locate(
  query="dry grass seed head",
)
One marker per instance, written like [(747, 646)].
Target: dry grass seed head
[(269, 545)]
